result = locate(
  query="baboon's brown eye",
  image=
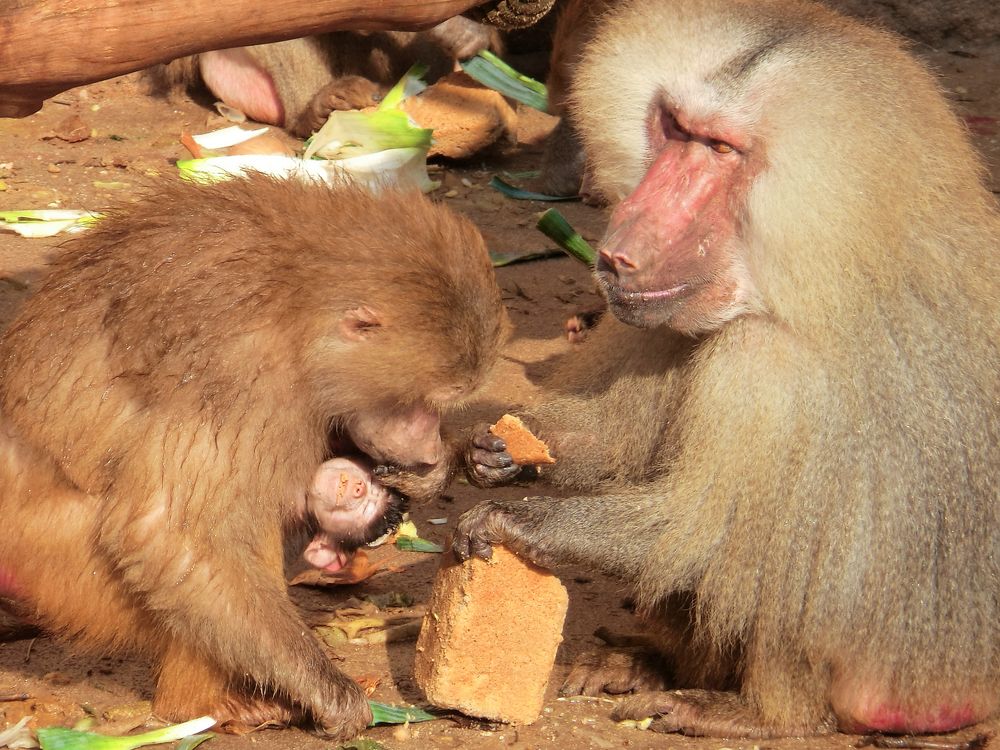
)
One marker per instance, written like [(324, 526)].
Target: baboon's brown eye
[(721, 147)]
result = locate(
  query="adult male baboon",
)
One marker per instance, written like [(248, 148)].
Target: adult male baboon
[(791, 423)]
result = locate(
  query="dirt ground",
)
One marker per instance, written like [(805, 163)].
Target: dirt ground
[(129, 138)]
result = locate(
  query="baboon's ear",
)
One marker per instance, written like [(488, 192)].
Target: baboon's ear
[(360, 323)]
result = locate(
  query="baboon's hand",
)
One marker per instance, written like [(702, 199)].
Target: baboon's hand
[(420, 485), (487, 462), (347, 714), (507, 522), (344, 93)]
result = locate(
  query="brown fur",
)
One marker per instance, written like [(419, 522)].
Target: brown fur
[(820, 473), (167, 395), (563, 162), (341, 70)]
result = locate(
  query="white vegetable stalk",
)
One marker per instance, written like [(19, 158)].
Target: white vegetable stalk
[(375, 149)]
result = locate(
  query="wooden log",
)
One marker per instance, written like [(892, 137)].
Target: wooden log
[(48, 46)]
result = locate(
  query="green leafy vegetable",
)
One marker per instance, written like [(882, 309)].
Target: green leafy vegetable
[(494, 73), (554, 226), (59, 738)]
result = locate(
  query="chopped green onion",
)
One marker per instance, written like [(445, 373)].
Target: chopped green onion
[(383, 713), (537, 86), (349, 133), (354, 133), (60, 738), (410, 84), (527, 195), (499, 260), (416, 544), (374, 149), (494, 73), (554, 226)]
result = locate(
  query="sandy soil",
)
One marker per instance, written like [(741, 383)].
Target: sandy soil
[(129, 138)]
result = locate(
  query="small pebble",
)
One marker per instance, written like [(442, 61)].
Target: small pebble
[(402, 733)]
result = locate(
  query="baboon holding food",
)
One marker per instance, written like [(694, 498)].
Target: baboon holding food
[(787, 434)]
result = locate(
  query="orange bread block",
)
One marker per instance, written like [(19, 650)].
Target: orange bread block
[(490, 636)]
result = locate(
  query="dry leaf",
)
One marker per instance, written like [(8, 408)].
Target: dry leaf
[(240, 728), (127, 711), (365, 564), (72, 129), (19, 735), (406, 631), (358, 569), (190, 144), (368, 683)]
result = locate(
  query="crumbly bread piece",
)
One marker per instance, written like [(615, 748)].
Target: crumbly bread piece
[(490, 636), (466, 116), (524, 447)]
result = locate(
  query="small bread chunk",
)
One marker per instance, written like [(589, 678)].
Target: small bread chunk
[(523, 447), (490, 636), (465, 115)]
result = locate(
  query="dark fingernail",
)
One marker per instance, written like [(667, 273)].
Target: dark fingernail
[(482, 550)]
